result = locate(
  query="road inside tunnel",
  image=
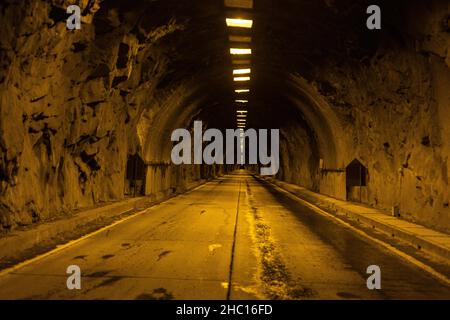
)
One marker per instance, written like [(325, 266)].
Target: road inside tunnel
[(235, 237), (225, 149)]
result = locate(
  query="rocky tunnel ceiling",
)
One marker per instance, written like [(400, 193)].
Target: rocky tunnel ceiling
[(76, 104)]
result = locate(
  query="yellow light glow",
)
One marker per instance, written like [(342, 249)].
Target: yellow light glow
[(242, 79), (234, 38), (240, 23), (241, 116), (246, 4), (242, 90), (240, 51), (242, 71), (241, 111), (243, 39), (241, 62), (241, 101)]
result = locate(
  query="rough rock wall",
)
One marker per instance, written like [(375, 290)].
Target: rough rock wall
[(394, 107), (70, 102)]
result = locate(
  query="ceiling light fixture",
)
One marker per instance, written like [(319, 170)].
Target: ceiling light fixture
[(241, 79), (240, 51), (242, 71), (239, 23)]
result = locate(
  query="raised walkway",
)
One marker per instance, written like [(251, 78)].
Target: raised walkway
[(421, 237)]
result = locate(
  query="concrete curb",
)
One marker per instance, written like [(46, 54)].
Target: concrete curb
[(17, 244), (430, 241)]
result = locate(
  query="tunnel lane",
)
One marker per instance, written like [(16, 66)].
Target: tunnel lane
[(234, 230)]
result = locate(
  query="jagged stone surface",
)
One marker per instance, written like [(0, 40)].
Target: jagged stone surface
[(74, 105), (70, 105)]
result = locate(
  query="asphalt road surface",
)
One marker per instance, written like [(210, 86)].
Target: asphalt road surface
[(232, 238)]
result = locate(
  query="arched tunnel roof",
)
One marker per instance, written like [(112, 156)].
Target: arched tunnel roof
[(287, 42), (351, 177)]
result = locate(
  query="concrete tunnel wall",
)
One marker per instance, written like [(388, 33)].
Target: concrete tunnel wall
[(75, 105)]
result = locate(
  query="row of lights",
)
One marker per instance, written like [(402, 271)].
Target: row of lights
[(241, 75)]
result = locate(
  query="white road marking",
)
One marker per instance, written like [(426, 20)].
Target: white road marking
[(437, 275), (73, 242)]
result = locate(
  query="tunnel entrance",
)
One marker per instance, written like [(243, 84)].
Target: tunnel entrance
[(135, 176), (356, 181)]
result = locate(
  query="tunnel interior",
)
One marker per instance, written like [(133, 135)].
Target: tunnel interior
[(87, 115)]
